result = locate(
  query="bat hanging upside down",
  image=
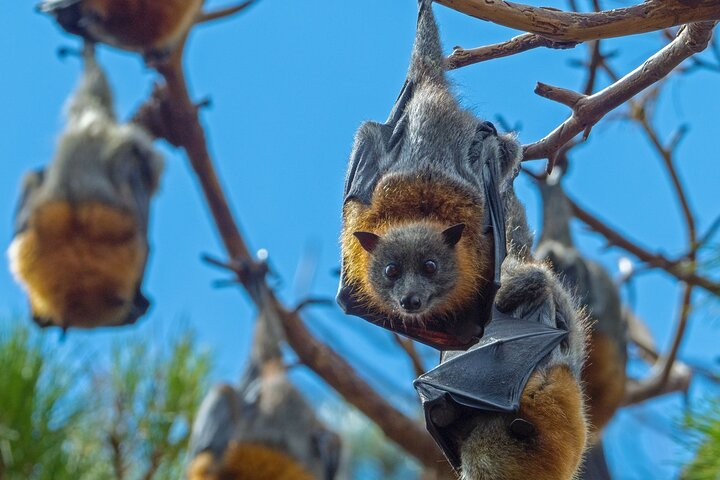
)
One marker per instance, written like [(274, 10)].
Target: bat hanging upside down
[(604, 373), (263, 429), (429, 216), (80, 244), (151, 27)]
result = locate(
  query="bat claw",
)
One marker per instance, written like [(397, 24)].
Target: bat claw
[(522, 429)]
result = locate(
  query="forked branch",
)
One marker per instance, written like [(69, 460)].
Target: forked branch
[(170, 114), (562, 26), (588, 110)]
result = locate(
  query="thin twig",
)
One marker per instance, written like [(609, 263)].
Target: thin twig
[(461, 57), (590, 109), (223, 12), (172, 115), (678, 269), (408, 347), (579, 27), (663, 380)]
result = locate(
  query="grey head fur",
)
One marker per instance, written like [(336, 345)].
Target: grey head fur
[(435, 136), (413, 267)]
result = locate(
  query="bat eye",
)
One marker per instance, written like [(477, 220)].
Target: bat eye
[(392, 271), (430, 267)]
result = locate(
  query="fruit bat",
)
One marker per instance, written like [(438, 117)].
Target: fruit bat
[(424, 228), (604, 373), (263, 429), (151, 27), (80, 244), (489, 377), (512, 406)]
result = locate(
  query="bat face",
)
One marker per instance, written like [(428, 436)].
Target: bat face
[(487, 379), (413, 268), (407, 251)]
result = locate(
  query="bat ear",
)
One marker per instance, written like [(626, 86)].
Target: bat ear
[(368, 240), (452, 235)]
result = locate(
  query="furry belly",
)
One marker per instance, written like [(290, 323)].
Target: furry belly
[(247, 461), (80, 264)]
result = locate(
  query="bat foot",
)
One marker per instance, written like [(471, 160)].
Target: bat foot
[(531, 291), (544, 440)]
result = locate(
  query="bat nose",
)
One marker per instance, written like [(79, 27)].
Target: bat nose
[(411, 303)]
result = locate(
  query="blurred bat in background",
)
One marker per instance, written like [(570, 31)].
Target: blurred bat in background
[(151, 27), (604, 372), (80, 244), (262, 429)]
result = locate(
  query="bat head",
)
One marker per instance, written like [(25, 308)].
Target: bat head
[(413, 267)]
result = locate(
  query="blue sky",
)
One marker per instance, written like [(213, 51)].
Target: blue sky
[(290, 82)]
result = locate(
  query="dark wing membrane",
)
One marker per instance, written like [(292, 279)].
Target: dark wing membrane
[(490, 377), (215, 424), (69, 15), (31, 184)]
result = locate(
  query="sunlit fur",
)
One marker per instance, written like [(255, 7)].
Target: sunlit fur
[(80, 265), (248, 461), (401, 200), (552, 401), (138, 25)]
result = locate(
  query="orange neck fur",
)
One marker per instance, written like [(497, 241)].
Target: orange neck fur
[(401, 200)]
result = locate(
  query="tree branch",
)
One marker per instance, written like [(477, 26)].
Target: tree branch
[(670, 376), (522, 43), (223, 12), (679, 270), (579, 27), (171, 114), (589, 110), (409, 348)]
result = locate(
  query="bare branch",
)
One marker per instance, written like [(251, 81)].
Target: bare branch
[(172, 115), (408, 347), (579, 27), (678, 269), (666, 154), (522, 43), (670, 376), (567, 97), (641, 391), (589, 110), (223, 12)]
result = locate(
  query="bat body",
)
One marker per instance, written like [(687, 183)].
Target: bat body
[(263, 429), (423, 234), (80, 244), (512, 407), (604, 372), (151, 27)]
